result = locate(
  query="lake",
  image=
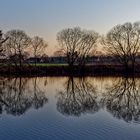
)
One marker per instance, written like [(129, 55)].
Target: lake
[(67, 108)]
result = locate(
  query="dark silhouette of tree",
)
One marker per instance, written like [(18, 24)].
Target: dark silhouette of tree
[(123, 42), (2, 40), (16, 96), (17, 44), (122, 99), (88, 44), (78, 97), (38, 46), (76, 44)]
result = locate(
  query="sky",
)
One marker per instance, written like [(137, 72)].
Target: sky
[(46, 18)]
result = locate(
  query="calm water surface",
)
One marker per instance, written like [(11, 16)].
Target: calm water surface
[(67, 108)]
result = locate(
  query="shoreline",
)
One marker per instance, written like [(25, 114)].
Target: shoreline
[(76, 71)]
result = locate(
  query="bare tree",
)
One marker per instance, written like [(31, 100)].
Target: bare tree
[(17, 44), (123, 41), (38, 45), (76, 44), (2, 40), (88, 44)]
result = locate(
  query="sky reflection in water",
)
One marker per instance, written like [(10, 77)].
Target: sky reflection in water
[(69, 108)]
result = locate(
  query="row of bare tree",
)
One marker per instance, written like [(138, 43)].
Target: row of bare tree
[(122, 42), (16, 45)]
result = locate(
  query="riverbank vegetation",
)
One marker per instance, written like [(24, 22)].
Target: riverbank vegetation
[(21, 54)]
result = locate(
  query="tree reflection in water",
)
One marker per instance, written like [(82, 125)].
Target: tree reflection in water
[(16, 96), (122, 99), (78, 97)]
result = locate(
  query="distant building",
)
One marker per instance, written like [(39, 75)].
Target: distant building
[(33, 60), (57, 60)]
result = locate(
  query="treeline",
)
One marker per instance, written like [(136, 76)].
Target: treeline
[(121, 42), (16, 46), (76, 44)]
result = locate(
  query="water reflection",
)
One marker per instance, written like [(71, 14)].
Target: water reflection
[(78, 96), (17, 95), (122, 99), (75, 96)]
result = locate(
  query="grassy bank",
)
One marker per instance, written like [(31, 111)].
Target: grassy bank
[(65, 70)]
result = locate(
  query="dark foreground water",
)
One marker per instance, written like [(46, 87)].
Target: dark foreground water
[(69, 108)]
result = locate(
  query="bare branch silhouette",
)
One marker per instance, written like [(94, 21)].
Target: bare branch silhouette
[(76, 44), (123, 42)]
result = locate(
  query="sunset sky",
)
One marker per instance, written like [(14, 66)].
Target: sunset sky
[(46, 17)]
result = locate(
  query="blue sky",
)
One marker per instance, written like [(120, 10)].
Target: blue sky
[(46, 17)]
